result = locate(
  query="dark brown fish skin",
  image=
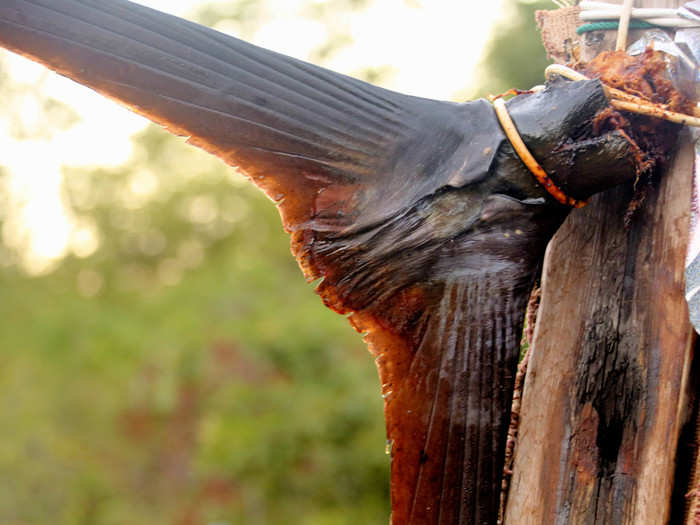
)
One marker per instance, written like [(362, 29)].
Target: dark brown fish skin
[(418, 215), (477, 248), (557, 130)]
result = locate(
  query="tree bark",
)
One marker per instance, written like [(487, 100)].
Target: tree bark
[(606, 393)]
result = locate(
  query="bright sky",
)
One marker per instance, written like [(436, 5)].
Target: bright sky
[(423, 41)]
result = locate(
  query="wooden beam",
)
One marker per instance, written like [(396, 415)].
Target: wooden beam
[(605, 396)]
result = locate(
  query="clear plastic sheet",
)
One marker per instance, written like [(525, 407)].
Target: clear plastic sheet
[(692, 268), (680, 59), (684, 57)]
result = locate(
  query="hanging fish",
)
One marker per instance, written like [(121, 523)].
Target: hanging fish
[(419, 217)]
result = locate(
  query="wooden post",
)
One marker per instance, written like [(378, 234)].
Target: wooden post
[(605, 397)]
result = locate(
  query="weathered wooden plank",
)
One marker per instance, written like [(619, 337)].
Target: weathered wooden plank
[(604, 398), (600, 412)]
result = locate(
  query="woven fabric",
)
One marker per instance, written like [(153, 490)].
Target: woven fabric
[(559, 36)]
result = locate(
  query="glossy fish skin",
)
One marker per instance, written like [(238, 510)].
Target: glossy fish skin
[(423, 223)]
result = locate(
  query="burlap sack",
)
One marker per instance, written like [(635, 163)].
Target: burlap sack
[(559, 36)]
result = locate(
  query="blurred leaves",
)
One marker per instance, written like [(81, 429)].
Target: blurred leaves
[(183, 371), (515, 57), (242, 15), (30, 115)]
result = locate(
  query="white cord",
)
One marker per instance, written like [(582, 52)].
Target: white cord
[(592, 10), (642, 14), (637, 12), (564, 3)]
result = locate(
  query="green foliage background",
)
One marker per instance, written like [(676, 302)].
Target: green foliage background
[(185, 373)]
